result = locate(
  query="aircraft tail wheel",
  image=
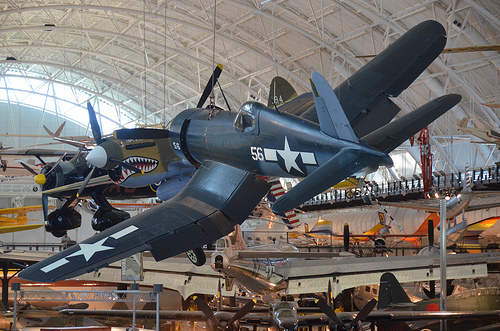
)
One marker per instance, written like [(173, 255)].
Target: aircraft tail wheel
[(197, 256)]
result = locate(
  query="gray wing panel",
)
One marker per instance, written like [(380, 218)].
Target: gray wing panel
[(216, 199), (365, 95), (392, 135)]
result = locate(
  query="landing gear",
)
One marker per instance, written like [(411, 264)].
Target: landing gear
[(106, 216), (197, 256), (61, 220)]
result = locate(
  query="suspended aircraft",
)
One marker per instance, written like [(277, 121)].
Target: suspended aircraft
[(18, 221), (481, 223), (73, 180), (282, 314), (486, 135), (231, 149)]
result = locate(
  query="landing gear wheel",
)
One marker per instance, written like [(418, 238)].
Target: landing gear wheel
[(4, 166), (59, 234), (196, 256)]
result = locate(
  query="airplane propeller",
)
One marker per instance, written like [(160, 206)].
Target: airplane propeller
[(41, 179), (147, 133), (229, 325), (96, 131), (354, 325)]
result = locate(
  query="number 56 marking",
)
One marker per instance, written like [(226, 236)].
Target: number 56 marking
[(257, 154)]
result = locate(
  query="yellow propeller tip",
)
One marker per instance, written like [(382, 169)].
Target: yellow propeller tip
[(220, 65)]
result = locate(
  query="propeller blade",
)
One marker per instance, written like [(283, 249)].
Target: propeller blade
[(141, 133), (365, 311), (85, 182), (346, 237), (330, 295), (45, 206), (94, 125), (27, 167), (206, 310), (56, 164), (210, 86), (325, 308), (242, 312), (127, 165)]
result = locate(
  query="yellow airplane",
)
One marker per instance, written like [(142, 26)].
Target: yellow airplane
[(18, 219)]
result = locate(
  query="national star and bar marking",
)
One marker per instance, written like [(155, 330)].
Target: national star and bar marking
[(289, 157), (88, 250)]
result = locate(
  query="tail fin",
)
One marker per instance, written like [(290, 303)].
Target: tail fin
[(236, 241), (280, 92), (48, 131), (58, 131), (391, 293), (331, 116)]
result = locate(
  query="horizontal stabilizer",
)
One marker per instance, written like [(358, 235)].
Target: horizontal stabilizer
[(347, 162), (390, 136), (331, 116)]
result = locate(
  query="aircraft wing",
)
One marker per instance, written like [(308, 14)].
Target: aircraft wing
[(75, 186), (482, 206), (37, 152), (216, 199), (427, 208), (365, 96), (16, 228), (174, 315)]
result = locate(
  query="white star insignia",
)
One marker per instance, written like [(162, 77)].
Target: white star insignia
[(88, 250), (289, 157)]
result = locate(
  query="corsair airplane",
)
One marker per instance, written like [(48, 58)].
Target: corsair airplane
[(232, 149)]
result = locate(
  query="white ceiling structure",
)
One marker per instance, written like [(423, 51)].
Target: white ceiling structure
[(148, 60)]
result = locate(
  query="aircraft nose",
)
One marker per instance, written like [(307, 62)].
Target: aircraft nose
[(288, 324), (97, 157), (40, 179)]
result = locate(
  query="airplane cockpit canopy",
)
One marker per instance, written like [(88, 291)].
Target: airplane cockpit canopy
[(245, 120)]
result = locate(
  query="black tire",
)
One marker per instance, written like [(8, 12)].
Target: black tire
[(197, 256)]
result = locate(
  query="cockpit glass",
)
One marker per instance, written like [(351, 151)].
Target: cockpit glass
[(245, 120), (286, 313)]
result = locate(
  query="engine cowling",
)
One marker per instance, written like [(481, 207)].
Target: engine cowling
[(105, 218), (61, 220), (219, 261)]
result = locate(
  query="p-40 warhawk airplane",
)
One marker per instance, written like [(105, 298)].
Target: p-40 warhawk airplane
[(232, 149)]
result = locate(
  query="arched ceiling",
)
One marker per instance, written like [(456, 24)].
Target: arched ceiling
[(152, 59)]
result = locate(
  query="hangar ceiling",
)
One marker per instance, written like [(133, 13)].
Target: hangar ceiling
[(149, 60)]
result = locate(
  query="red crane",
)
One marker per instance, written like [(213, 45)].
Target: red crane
[(425, 159)]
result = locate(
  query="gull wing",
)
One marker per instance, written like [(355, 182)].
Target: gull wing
[(216, 199)]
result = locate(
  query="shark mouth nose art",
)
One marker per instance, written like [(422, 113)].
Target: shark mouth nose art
[(143, 163)]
